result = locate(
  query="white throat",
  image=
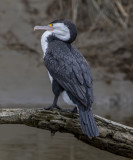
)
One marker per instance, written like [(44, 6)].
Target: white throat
[(44, 41), (60, 31)]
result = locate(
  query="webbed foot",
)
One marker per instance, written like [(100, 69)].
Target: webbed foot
[(52, 107)]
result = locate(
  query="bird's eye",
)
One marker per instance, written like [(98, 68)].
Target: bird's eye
[(50, 25)]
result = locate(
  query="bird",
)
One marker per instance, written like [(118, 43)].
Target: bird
[(69, 71)]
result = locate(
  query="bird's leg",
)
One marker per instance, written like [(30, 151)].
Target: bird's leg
[(54, 105), (57, 89)]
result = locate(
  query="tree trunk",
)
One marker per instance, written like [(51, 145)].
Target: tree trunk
[(114, 137)]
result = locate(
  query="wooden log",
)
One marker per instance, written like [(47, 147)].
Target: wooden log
[(114, 137)]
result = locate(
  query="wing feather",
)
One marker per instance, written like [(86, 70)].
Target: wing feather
[(71, 70)]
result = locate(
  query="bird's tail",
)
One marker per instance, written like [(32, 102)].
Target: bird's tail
[(88, 124)]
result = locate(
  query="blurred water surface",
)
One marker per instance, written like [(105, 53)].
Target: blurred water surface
[(19, 142)]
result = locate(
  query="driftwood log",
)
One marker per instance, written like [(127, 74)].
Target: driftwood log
[(114, 137)]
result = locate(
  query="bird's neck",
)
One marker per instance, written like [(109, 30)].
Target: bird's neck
[(44, 41)]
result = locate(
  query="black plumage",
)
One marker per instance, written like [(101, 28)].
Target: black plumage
[(70, 69)]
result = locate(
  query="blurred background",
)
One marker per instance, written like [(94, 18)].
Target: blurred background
[(105, 38)]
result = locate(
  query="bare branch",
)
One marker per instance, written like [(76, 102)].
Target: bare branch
[(121, 9), (114, 137), (75, 4)]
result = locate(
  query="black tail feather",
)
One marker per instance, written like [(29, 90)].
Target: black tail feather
[(88, 124)]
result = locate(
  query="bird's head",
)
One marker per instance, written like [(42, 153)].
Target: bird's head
[(61, 29)]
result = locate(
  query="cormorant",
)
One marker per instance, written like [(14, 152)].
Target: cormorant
[(68, 71)]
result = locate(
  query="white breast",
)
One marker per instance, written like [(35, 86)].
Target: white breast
[(44, 41)]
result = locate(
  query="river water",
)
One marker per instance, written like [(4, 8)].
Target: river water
[(18, 142)]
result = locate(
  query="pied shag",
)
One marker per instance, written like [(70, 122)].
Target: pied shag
[(68, 71)]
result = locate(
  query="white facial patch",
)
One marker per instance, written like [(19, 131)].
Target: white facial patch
[(61, 31)]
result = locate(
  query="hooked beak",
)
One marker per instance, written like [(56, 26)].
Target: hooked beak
[(44, 28)]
